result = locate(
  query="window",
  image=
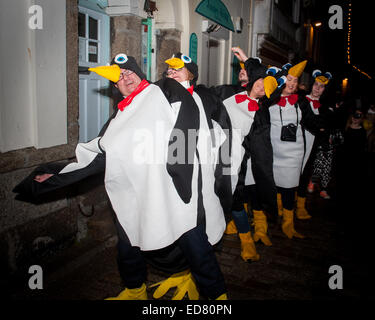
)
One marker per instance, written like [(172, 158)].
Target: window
[(89, 40)]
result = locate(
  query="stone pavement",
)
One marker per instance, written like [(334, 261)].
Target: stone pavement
[(295, 269)]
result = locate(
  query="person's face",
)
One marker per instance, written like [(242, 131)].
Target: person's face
[(179, 75), (317, 89), (257, 91), (290, 85), (128, 82), (242, 76)]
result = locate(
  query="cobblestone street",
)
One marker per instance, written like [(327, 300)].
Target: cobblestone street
[(288, 270)]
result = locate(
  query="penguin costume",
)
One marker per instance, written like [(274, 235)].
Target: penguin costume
[(153, 178), (276, 141), (242, 108), (321, 81), (214, 140)]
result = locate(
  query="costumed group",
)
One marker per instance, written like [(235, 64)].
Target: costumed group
[(185, 164)]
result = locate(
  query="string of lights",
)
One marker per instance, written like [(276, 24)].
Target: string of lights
[(349, 43)]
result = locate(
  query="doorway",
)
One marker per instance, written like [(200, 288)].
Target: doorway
[(213, 60), (94, 91)]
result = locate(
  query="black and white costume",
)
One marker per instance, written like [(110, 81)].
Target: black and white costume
[(150, 153)]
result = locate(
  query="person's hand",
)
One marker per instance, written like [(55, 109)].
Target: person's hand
[(240, 55), (43, 177)]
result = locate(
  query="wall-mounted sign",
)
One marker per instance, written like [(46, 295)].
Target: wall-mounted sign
[(216, 11), (193, 47)]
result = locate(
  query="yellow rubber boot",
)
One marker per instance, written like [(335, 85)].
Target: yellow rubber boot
[(184, 283), (132, 294), (231, 228), (288, 225), (261, 227), (301, 212), (222, 297), (279, 205), (248, 251)]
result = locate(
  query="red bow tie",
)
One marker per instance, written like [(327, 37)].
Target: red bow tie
[(191, 89), (252, 106), (316, 103), (292, 99), (124, 103)]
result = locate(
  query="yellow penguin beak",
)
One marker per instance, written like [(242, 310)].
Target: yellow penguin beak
[(242, 65), (270, 85), (111, 73), (297, 70), (175, 63), (322, 79)]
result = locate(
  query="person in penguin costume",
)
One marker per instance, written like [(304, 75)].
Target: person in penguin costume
[(242, 108), (279, 125), (153, 178), (319, 86), (227, 90)]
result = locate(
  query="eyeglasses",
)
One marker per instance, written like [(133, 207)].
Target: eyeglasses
[(171, 70), (126, 74)]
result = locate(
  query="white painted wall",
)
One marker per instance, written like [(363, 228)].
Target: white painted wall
[(261, 22), (33, 76), (16, 116), (181, 15)]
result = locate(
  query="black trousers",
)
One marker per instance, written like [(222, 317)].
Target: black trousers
[(197, 250), (246, 194), (287, 197)]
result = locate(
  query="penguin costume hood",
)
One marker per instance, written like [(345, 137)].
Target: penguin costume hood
[(120, 61), (320, 77), (179, 61), (255, 70), (296, 70)]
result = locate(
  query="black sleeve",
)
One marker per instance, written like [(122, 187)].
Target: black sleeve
[(258, 146), (188, 119), (30, 190), (310, 121), (216, 111), (226, 90)]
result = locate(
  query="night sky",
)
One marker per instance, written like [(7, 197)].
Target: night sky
[(334, 46)]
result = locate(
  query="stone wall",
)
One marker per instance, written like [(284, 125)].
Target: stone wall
[(126, 36), (168, 42), (28, 231)]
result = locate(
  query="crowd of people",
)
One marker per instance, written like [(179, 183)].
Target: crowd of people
[(185, 164)]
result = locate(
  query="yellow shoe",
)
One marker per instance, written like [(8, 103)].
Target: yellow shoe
[(279, 205), (301, 212), (183, 281), (260, 226), (288, 225), (222, 297), (231, 228), (132, 294), (248, 251)]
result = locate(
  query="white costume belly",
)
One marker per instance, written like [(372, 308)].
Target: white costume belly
[(287, 156), (208, 155), (141, 191), (241, 119), (309, 139)]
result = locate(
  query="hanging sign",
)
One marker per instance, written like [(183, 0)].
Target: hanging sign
[(216, 11), (193, 47)]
